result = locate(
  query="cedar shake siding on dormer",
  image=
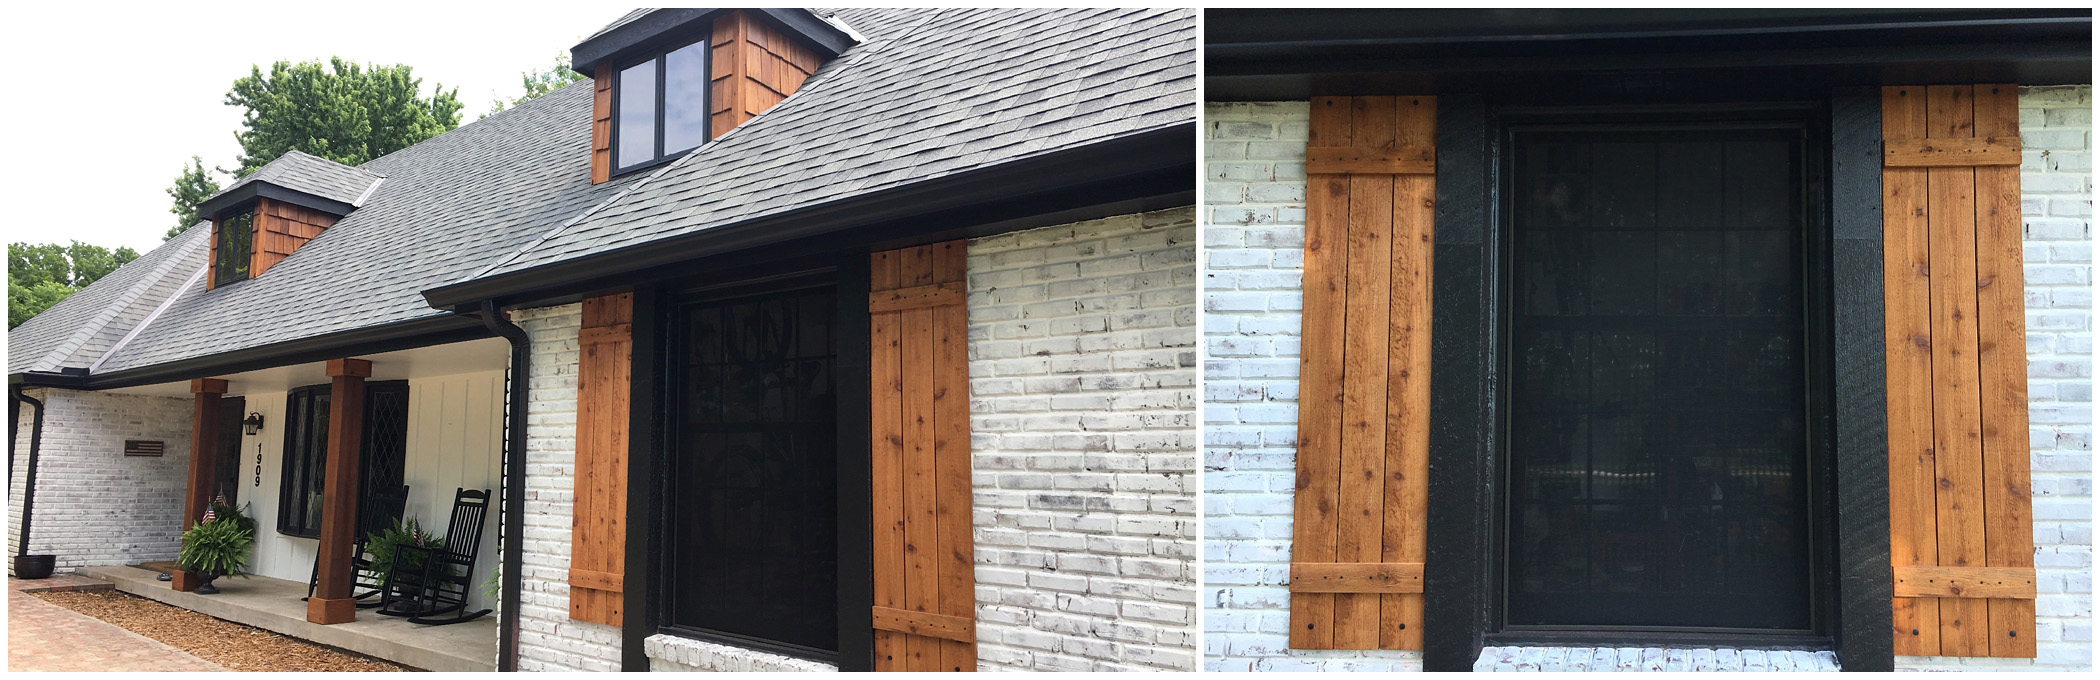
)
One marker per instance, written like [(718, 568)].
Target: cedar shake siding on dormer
[(753, 65), (281, 228)]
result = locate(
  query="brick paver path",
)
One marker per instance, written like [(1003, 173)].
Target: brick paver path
[(46, 637)]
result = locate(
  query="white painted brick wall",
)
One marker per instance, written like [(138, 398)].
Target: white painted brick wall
[(1083, 440), (675, 654), (2056, 186), (94, 505), (1253, 243), (547, 639)]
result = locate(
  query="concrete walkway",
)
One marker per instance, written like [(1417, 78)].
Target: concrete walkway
[(46, 637)]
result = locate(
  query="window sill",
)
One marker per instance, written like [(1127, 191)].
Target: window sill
[(1652, 659), (668, 652)]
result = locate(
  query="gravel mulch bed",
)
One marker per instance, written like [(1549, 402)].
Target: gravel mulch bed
[(235, 646)]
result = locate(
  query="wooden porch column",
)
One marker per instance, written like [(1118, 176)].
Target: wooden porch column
[(204, 444), (331, 602)]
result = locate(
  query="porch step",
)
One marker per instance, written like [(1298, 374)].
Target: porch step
[(273, 605)]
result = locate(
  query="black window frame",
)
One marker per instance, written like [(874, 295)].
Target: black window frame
[(222, 269), (661, 155), (1819, 355), (313, 459)]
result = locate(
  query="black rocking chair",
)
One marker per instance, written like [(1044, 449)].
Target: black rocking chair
[(435, 593), (374, 515)]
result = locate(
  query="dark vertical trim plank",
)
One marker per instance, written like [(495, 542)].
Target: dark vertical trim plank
[(646, 477), (856, 583), (1462, 435), (1862, 629)]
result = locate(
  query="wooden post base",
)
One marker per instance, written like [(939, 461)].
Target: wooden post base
[(185, 581), (325, 611)]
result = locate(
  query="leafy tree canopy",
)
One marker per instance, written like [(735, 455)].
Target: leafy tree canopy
[(341, 111), (191, 187), (40, 275), (539, 82)]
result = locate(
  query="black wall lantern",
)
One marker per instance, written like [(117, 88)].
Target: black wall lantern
[(253, 424)]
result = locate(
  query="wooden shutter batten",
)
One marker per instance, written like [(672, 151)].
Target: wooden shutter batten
[(598, 533), (924, 567), (1960, 506), (1362, 494)]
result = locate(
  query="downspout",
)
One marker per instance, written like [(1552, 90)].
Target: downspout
[(36, 439), (516, 391)]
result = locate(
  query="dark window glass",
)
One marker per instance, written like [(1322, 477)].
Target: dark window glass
[(685, 97), (753, 509), (235, 235), (381, 457), (637, 122), (228, 468), (1658, 451)]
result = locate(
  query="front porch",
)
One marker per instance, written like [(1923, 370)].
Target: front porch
[(274, 605)]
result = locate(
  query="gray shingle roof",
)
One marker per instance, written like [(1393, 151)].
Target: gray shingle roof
[(930, 94), (448, 206), (624, 20), (79, 329), (307, 173)]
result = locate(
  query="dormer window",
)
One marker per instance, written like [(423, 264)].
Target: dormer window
[(233, 246), (660, 107)]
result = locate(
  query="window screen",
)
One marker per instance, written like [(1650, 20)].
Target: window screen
[(753, 507), (1658, 452)]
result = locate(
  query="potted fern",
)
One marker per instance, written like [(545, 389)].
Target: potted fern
[(385, 549), (217, 546)]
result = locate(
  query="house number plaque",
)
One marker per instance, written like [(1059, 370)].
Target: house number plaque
[(258, 465)]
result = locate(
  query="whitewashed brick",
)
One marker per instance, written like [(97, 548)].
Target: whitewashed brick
[(94, 505)]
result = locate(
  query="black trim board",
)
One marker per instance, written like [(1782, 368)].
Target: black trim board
[(660, 26), (1463, 375), (1865, 640), (424, 332), (856, 559), (262, 189), (1119, 176), (648, 477)]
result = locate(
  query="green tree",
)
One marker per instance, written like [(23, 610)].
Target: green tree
[(191, 187), (39, 275), (538, 83), (341, 111)]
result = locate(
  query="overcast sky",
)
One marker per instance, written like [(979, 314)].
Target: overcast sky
[(109, 102)]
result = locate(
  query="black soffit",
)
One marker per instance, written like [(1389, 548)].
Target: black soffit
[(1269, 54), (660, 28)]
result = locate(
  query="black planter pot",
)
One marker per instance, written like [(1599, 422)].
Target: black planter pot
[(206, 588), (34, 566)]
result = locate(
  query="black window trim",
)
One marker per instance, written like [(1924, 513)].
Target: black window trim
[(652, 421), (661, 156), (218, 239), (1465, 444)]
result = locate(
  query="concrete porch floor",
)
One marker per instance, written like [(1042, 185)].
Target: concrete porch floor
[(273, 605)]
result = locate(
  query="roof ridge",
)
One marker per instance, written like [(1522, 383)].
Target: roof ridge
[(102, 318), (819, 84)]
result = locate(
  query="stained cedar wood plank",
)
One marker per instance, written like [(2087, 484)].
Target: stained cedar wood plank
[(950, 629), (2001, 351), (601, 125), (1359, 524), (1407, 376), (921, 539), (2016, 583), (1356, 577), (886, 385), (1956, 395), (951, 451), (1907, 343), (600, 496), (1983, 150), (1318, 484)]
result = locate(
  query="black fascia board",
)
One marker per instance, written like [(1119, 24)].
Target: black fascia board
[(243, 194), (662, 27), (411, 334), (1344, 52), (1146, 170)]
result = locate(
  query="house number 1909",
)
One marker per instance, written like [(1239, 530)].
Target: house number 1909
[(258, 465)]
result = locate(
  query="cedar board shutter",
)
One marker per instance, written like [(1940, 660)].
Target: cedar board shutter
[(925, 582), (1359, 542), (1961, 536), (598, 542)]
